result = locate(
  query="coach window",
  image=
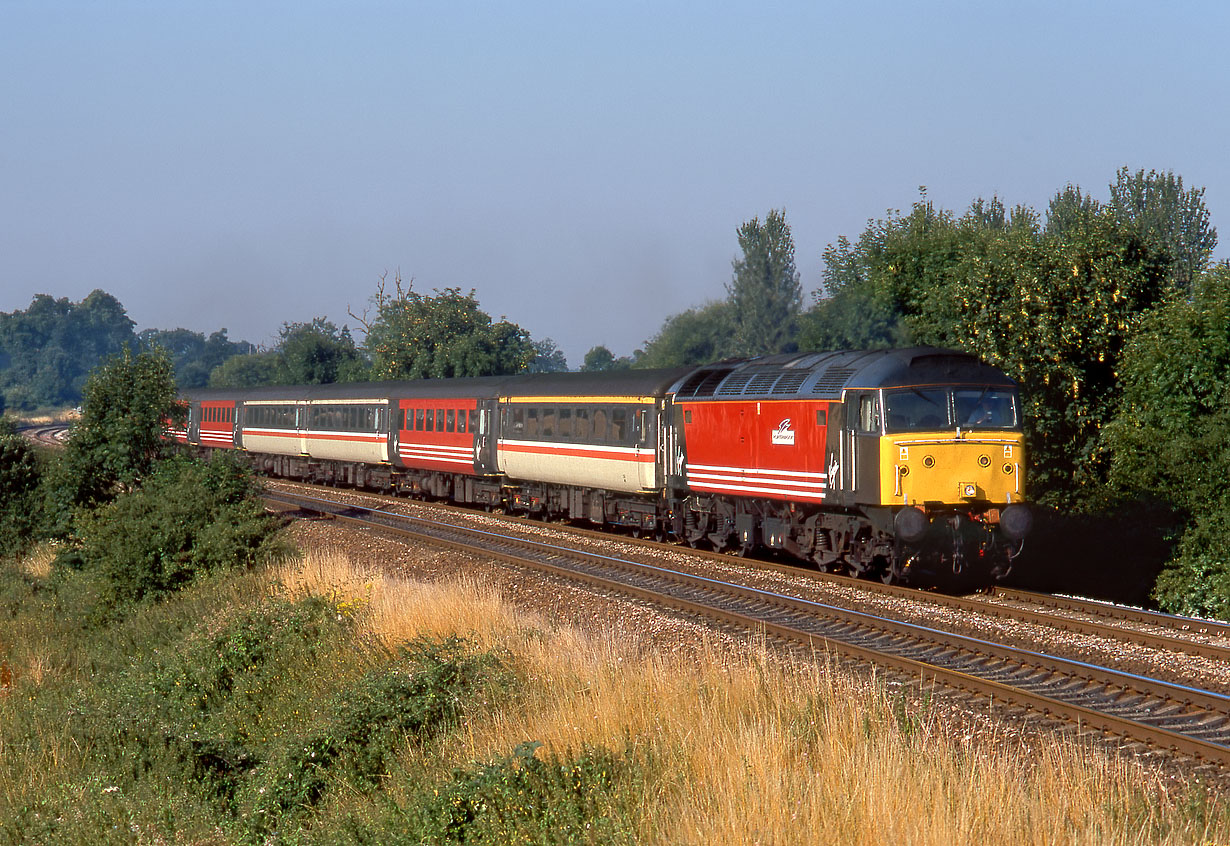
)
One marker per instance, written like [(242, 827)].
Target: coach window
[(600, 416), (461, 420), (531, 422), (518, 422), (822, 417), (619, 425), (565, 423), (473, 419), (580, 425), (547, 422), (439, 419), (430, 425), (451, 421)]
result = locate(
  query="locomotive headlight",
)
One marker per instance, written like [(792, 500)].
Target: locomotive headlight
[(984, 461), (928, 462), (1008, 468)]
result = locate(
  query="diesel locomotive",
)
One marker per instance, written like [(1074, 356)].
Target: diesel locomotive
[(907, 465)]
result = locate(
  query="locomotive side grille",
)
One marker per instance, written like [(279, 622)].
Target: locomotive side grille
[(762, 382), (790, 383), (833, 380), (688, 389), (702, 384), (734, 384)]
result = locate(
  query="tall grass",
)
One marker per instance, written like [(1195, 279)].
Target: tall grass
[(318, 702), (757, 750)]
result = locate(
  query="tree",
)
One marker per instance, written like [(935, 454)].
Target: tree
[(447, 335), (195, 357), (246, 371), (1156, 208), (764, 290), (47, 351), (696, 336), (318, 353), (601, 358), (548, 358), (1170, 441), (125, 408)]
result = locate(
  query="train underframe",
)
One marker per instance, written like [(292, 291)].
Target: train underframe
[(960, 549)]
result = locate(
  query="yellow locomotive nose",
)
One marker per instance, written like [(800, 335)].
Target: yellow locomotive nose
[(937, 468)]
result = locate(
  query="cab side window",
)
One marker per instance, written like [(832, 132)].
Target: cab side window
[(869, 414)]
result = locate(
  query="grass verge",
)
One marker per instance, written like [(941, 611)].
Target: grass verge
[(314, 703)]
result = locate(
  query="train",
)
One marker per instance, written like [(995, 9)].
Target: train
[(906, 465)]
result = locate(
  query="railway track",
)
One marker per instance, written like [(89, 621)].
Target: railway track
[(1183, 720), (1123, 624)]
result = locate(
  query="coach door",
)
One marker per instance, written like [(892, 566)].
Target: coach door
[(301, 425), (486, 439)]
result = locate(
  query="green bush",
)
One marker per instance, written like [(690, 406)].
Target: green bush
[(189, 518), (591, 798), (20, 498), (419, 696)]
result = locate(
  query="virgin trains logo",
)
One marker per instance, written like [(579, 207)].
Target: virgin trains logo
[(783, 434)]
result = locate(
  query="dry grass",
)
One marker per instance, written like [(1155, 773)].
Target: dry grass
[(37, 564), (756, 751)]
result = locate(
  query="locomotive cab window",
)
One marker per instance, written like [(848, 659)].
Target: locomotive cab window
[(987, 408), (945, 409), (868, 414)]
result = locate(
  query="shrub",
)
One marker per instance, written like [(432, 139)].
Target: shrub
[(188, 518), (419, 696), (523, 799), (20, 502)]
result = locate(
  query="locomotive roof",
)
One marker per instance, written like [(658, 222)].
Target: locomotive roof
[(825, 375)]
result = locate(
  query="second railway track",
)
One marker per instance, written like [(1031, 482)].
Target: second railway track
[(1184, 720)]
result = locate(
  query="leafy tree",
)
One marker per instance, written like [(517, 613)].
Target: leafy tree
[(1171, 438), (548, 358), (318, 353), (1160, 212), (1071, 210), (47, 351), (764, 290), (601, 358), (447, 335), (193, 355), (695, 336), (126, 405), (247, 371)]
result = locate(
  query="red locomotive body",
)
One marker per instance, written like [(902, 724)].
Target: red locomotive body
[(772, 449)]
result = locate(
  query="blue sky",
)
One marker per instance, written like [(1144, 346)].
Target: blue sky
[(583, 166)]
